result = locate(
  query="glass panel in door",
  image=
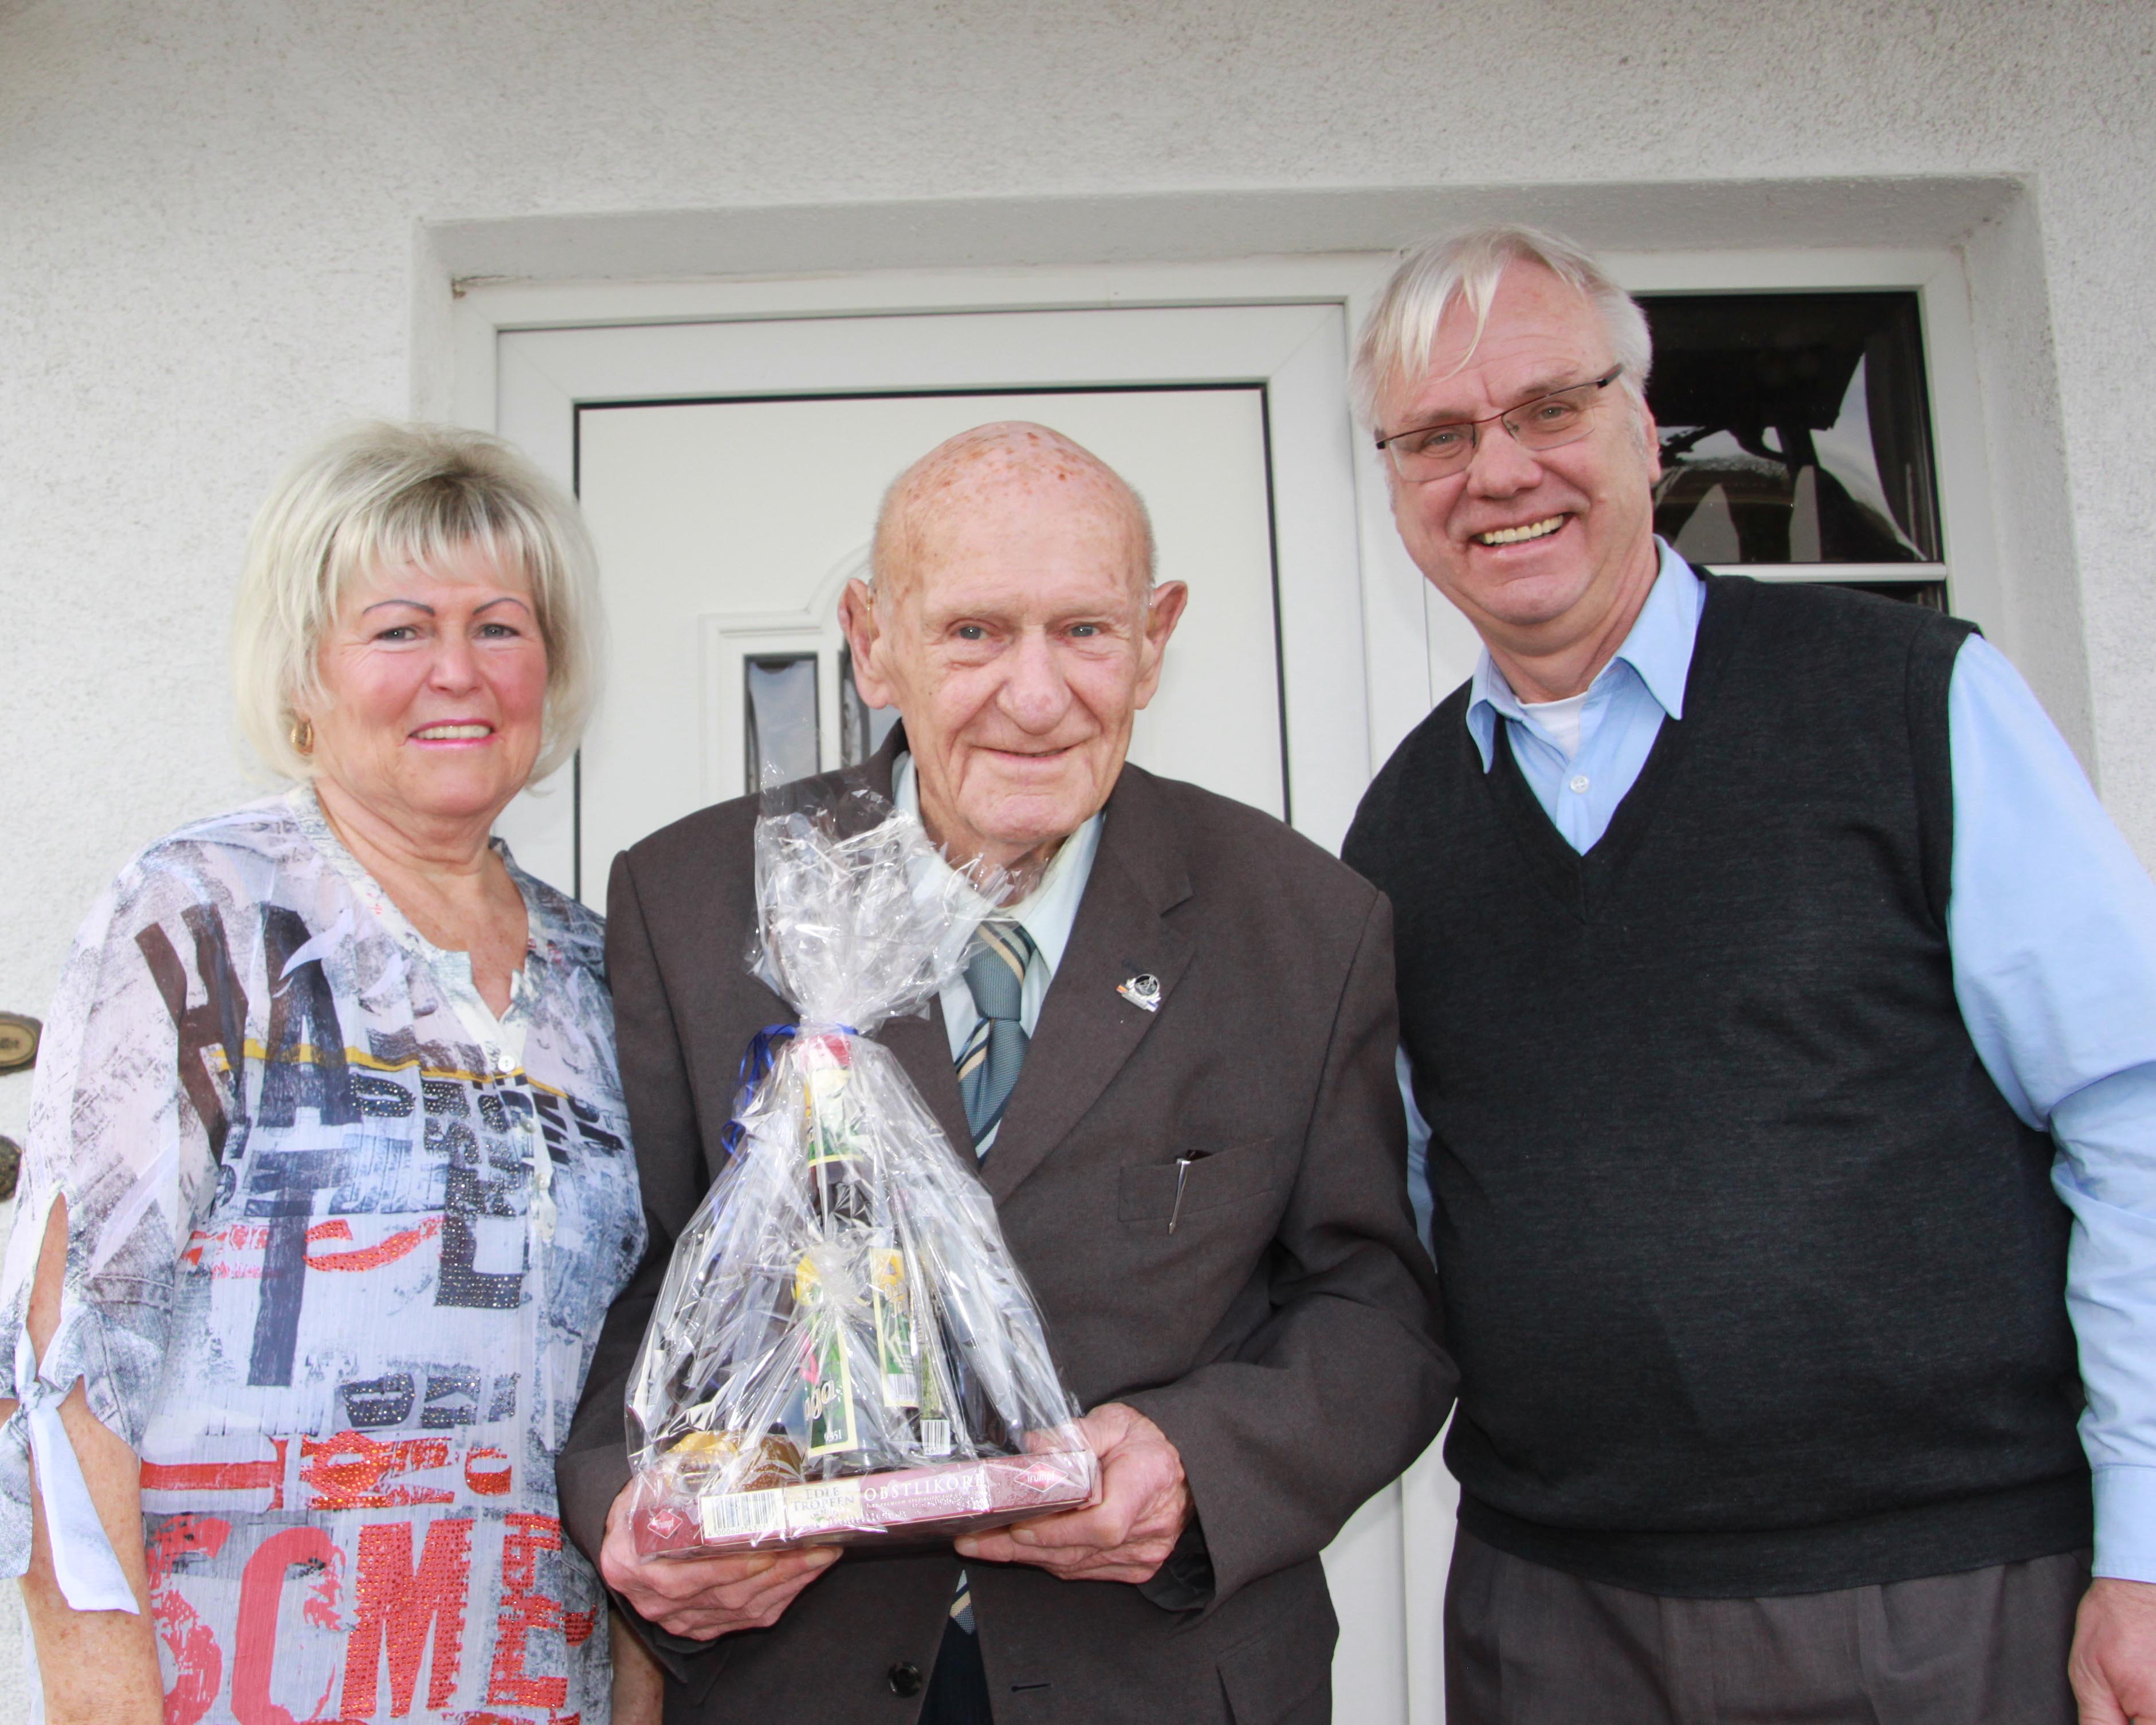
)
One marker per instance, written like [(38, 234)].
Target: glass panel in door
[(727, 529)]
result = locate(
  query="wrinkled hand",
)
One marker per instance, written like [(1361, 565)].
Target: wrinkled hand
[(2113, 1666), (705, 1598), (1144, 1507)]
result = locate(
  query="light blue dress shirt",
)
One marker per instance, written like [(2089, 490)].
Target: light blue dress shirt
[(2052, 925)]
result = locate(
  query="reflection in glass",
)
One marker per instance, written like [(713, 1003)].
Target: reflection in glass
[(862, 728), (783, 736), (1795, 428)]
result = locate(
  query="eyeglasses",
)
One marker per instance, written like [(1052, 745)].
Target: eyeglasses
[(1548, 422)]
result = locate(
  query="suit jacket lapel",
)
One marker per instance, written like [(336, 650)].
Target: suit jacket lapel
[(1087, 1031)]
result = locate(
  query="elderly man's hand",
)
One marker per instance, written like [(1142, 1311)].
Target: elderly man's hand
[(2113, 1666), (705, 1598), (1144, 1507)]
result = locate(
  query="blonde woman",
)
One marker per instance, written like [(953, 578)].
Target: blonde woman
[(329, 1182)]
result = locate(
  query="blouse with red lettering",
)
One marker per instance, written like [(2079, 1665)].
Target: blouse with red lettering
[(339, 1244)]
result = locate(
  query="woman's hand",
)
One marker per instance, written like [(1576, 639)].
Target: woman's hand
[(705, 1598)]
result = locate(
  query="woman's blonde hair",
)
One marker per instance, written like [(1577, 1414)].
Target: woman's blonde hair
[(381, 495)]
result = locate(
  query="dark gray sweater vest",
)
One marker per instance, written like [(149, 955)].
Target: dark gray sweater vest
[(1756, 1283)]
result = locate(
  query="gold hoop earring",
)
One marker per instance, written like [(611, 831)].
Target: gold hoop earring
[(303, 737)]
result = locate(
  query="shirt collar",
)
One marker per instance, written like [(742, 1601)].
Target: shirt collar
[(1658, 651), (1048, 913)]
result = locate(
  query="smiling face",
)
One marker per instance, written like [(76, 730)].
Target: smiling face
[(1543, 551), (433, 691), (1018, 643)]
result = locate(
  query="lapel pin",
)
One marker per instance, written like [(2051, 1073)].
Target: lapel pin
[(1142, 990)]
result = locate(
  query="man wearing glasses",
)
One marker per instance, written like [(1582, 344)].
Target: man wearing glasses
[(1782, 1007)]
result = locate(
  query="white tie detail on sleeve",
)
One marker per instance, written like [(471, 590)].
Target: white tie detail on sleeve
[(83, 1562)]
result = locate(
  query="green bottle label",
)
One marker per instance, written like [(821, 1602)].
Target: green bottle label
[(830, 1398), (897, 1357)]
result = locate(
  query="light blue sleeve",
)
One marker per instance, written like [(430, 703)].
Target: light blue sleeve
[(2053, 923), (1417, 1153)]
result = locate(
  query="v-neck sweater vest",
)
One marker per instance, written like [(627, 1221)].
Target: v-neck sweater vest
[(1755, 1282)]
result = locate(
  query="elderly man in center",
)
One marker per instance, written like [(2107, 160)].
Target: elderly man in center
[(1186, 1116)]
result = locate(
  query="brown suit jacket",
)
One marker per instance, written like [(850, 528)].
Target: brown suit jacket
[(1284, 1336)]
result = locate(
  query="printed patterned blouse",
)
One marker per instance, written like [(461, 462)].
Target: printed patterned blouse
[(339, 1244)]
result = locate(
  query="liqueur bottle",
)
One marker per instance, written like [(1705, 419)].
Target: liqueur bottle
[(833, 1426), (829, 1279), (898, 1354), (975, 1373), (840, 1190)]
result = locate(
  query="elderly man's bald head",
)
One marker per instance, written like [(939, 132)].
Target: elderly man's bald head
[(1010, 457)]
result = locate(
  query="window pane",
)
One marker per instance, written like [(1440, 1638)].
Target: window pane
[(784, 739), (1795, 427), (862, 728)]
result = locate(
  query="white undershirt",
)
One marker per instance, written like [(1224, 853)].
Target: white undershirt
[(1559, 720)]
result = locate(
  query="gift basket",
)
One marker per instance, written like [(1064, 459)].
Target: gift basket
[(843, 1349)]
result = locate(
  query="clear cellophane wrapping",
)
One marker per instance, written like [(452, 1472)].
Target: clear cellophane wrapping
[(843, 1349)]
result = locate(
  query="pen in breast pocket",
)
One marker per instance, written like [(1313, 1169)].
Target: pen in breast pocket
[(1182, 1176)]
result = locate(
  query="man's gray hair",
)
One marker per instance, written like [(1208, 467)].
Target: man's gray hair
[(1401, 330)]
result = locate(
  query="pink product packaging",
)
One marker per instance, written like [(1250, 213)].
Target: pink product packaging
[(916, 1505)]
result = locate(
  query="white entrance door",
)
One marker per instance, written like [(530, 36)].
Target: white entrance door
[(730, 472), (728, 529)]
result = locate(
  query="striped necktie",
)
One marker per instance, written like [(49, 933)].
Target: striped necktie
[(988, 1064), (988, 1071)]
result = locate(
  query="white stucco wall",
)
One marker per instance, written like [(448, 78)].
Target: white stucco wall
[(208, 211)]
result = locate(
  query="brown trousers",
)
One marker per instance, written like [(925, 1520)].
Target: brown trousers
[(1529, 1645)]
